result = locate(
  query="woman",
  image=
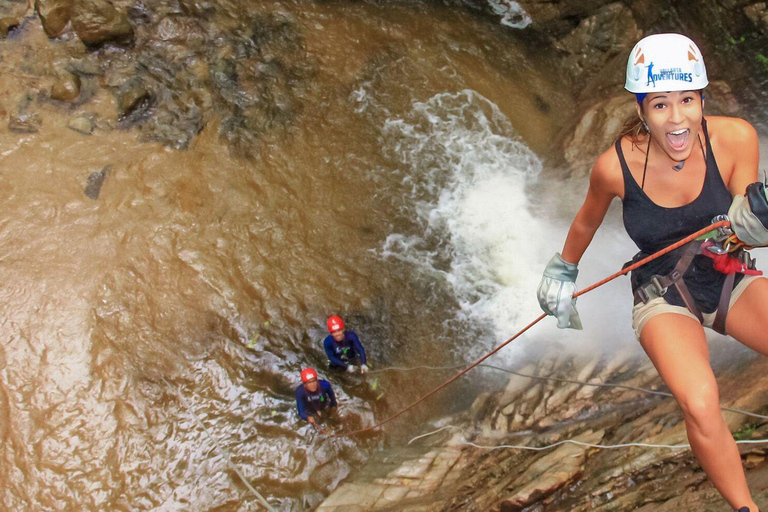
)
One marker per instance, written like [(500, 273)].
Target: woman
[(675, 171)]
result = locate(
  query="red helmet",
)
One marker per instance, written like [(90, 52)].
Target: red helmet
[(308, 374), (335, 323)]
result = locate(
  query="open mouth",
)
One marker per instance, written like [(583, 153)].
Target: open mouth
[(678, 139)]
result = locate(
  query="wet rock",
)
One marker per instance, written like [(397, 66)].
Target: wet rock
[(720, 100), (550, 473), (560, 396), (86, 66), (25, 122), (95, 181), (132, 105), (587, 371), (517, 385), (97, 22), (609, 32), (176, 28), (82, 125), (501, 425), (330, 474), (105, 125), (753, 460), (55, 15), (758, 14), (558, 17), (595, 132), (66, 88), (480, 406), (7, 25), (508, 410)]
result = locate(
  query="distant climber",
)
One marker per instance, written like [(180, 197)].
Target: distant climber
[(314, 398), (343, 348)]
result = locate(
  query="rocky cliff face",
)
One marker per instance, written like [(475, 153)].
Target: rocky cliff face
[(594, 37), (170, 67), (486, 460)]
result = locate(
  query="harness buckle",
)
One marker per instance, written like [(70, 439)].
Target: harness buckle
[(658, 288), (747, 260)]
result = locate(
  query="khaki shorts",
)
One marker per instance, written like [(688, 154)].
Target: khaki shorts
[(641, 313)]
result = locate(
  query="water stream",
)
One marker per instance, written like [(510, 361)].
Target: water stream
[(392, 188)]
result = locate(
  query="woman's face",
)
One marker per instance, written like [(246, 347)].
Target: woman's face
[(674, 119)]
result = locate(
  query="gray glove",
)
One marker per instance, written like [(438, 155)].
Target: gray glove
[(749, 216), (555, 293)]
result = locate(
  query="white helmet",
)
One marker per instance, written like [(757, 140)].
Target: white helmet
[(665, 62)]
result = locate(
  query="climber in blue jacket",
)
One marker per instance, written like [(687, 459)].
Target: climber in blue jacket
[(343, 348)]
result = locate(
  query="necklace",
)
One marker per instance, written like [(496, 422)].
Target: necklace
[(677, 168)]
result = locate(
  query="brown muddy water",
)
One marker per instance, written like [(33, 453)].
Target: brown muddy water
[(382, 177)]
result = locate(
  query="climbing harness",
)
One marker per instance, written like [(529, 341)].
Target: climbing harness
[(729, 257), (623, 271)]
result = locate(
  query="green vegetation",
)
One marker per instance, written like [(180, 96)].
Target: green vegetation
[(746, 432)]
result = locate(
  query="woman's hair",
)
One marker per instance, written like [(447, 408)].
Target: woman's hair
[(633, 128)]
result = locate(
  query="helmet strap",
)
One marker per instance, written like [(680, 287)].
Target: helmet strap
[(647, 152)]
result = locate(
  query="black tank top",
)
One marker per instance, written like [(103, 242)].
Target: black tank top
[(653, 227)]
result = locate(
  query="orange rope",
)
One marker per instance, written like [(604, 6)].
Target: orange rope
[(622, 272)]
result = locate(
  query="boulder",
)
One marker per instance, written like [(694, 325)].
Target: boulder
[(609, 32), (758, 14), (550, 472), (82, 125), (595, 132), (55, 15), (95, 181), (179, 29), (558, 18), (26, 122), (6, 25), (133, 104), (97, 22), (720, 100), (66, 88)]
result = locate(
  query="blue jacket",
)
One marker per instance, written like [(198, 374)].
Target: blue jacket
[(340, 353), (309, 404)]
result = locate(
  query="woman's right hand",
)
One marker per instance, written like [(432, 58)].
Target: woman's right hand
[(555, 293)]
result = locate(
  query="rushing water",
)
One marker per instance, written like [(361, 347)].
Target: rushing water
[(395, 196)]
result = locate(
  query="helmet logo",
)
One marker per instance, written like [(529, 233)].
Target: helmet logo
[(696, 61), (651, 79), (639, 57)]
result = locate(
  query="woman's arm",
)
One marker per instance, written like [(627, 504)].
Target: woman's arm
[(740, 138), (604, 184)]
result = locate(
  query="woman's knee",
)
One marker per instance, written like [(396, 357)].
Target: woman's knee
[(701, 407)]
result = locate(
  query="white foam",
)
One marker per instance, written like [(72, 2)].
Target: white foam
[(467, 173), (512, 13)]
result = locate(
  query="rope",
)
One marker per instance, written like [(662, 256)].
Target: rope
[(566, 381), (221, 449), (622, 386), (622, 272), (571, 441)]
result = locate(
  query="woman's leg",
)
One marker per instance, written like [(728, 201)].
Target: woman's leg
[(747, 319), (678, 349)]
